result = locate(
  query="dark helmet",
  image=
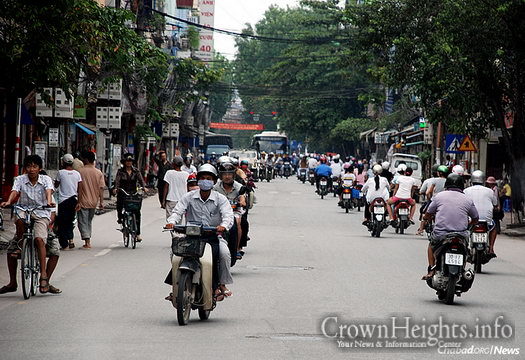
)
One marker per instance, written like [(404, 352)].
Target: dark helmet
[(127, 157), (454, 181), (435, 169), (226, 168), (178, 161)]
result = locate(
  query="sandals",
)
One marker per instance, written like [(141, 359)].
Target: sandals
[(7, 289), (43, 285), (169, 297), (219, 295), (54, 290), (238, 256)]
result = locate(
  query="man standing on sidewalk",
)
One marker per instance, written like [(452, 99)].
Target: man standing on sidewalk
[(90, 194), (161, 159), (67, 183), (176, 185)]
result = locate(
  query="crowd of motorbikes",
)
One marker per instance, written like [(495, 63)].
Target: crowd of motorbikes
[(453, 275)]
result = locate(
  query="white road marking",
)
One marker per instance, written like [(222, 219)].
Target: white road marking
[(114, 245), (103, 252), (273, 192)]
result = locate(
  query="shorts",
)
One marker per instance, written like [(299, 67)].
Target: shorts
[(52, 246), (395, 199)]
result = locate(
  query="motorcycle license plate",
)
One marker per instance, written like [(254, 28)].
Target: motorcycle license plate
[(323, 183), (453, 259), (347, 196), (379, 210), (348, 182), (480, 238), (403, 211)]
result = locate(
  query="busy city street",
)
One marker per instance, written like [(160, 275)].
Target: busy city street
[(307, 259)]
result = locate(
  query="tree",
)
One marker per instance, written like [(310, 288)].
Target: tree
[(464, 59), (302, 78)]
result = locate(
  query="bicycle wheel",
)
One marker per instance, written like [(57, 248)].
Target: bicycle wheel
[(133, 232), (35, 272), (125, 231), (26, 268)]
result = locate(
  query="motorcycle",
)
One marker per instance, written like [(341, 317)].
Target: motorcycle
[(402, 211), (479, 245), (269, 172), (378, 212), (347, 203), (301, 174), (311, 176), (287, 169), (335, 185), (193, 270), (357, 197), (451, 278), (262, 172), (323, 187)]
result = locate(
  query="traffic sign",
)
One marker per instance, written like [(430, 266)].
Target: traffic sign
[(453, 143), (467, 145)]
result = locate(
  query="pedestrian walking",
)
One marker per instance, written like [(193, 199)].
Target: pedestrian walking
[(176, 185), (161, 159), (67, 184), (90, 195)]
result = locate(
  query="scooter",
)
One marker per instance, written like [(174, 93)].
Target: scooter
[(311, 176), (402, 211), (335, 185), (479, 245), (357, 197), (346, 192), (378, 212), (451, 278), (301, 174), (193, 270), (287, 169), (323, 187), (269, 173)]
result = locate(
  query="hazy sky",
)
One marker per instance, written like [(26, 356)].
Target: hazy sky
[(233, 14)]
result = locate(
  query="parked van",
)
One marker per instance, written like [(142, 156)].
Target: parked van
[(412, 161)]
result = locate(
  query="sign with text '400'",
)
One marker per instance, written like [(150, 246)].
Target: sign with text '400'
[(207, 18)]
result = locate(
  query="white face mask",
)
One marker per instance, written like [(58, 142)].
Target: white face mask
[(205, 185)]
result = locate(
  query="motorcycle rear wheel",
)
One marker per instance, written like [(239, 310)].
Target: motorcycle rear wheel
[(477, 262), (402, 226), (451, 291), (184, 299)]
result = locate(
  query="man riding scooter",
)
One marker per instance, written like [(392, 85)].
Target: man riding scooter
[(323, 170), (212, 209)]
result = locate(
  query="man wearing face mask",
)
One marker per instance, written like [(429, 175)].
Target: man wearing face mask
[(209, 208)]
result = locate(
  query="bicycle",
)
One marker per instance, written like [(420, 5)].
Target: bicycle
[(30, 265), (132, 204)]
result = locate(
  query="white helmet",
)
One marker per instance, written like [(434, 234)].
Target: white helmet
[(377, 169), (401, 168), (385, 165), (458, 169), (224, 159)]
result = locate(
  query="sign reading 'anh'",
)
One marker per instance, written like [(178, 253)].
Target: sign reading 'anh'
[(230, 126)]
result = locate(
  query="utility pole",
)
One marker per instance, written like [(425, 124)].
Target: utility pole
[(17, 139)]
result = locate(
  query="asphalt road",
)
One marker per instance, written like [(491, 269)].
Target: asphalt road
[(307, 261)]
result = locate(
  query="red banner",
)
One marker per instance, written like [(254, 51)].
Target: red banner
[(230, 126)]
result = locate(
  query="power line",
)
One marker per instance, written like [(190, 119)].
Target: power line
[(243, 35)]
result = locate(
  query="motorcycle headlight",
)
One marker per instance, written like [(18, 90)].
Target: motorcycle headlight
[(192, 230)]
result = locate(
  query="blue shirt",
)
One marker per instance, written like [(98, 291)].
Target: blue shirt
[(323, 170)]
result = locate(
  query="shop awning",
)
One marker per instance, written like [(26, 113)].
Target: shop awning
[(85, 129), (366, 133)]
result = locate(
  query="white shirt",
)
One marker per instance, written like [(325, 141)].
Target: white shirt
[(177, 182), (312, 163), (33, 195), (405, 183), (68, 186), (215, 211), (372, 193), (484, 199), (336, 169), (190, 170)]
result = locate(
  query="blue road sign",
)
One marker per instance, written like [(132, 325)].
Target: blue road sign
[(453, 143)]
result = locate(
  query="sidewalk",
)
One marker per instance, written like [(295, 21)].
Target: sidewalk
[(509, 229)]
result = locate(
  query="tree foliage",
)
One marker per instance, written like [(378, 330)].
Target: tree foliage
[(302, 80), (464, 59)]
